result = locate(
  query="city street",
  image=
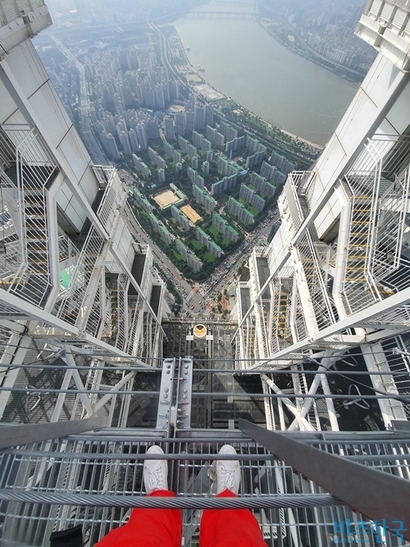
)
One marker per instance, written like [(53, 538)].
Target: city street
[(197, 297), (227, 271)]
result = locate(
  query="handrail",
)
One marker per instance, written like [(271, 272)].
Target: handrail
[(378, 495), (297, 501)]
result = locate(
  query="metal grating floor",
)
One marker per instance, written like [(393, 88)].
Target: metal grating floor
[(107, 467)]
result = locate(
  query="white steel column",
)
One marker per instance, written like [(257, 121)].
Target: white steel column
[(375, 359)]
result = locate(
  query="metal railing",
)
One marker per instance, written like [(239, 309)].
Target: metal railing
[(68, 254), (315, 280), (295, 179), (33, 170), (379, 190), (70, 308), (12, 251)]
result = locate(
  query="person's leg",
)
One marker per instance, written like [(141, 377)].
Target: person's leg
[(229, 527), (150, 527)]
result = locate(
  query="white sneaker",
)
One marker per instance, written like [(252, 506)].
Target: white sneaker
[(155, 474), (228, 472)]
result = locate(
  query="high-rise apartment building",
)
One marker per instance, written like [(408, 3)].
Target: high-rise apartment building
[(152, 129), (227, 167), (142, 136), (214, 136), (224, 185), (199, 113), (161, 175), (169, 128), (141, 166), (156, 158), (227, 130), (235, 145), (195, 177), (179, 216), (252, 197), (172, 152), (194, 162), (189, 149), (260, 183), (125, 142), (94, 370), (189, 122), (110, 145), (279, 161), (193, 261), (255, 160), (142, 200), (239, 210), (133, 140), (224, 227), (201, 142), (202, 196), (208, 242), (180, 123), (160, 227), (209, 114)]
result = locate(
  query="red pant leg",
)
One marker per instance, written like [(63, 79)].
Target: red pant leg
[(229, 527), (148, 528)]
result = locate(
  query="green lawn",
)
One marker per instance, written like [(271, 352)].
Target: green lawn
[(213, 230), (196, 244), (177, 255), (209, 258)]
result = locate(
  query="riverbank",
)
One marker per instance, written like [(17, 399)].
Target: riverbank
[(310, 54), (282, 88), (309, 143), (300, 151)]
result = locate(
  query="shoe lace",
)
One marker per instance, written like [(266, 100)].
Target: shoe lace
[(227, 477), (155, 478)]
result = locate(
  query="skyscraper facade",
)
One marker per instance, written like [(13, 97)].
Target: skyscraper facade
[(72, 271), (332, 287)]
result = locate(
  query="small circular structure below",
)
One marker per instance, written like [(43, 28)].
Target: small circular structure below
[(200, 331)]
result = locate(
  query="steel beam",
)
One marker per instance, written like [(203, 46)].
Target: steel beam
[(166, 394), (18, 435), (184, 394), (374, 494)]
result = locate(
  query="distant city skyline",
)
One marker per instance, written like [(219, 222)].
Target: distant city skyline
[(301, 27)]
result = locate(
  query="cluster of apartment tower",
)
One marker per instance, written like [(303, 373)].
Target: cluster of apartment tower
[(252, 196), (118, 80), (182, 156)]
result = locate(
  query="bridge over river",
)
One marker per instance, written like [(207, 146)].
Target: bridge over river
[(234, 9)]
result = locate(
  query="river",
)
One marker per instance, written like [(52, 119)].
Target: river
[(242, 61)]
